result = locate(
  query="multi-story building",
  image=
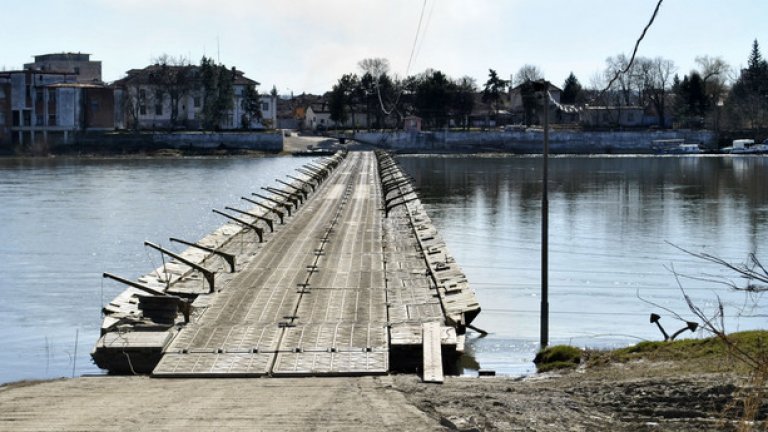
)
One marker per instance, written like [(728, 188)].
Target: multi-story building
[(172, 97), (78, 64), (44, 108), (51, 99), (5, 108)]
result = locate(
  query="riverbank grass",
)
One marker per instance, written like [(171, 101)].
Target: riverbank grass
[(706, 355)]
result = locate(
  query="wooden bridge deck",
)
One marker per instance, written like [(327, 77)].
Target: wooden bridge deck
[(311, 302), (336, 290)]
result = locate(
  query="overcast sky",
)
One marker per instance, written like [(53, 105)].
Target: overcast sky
[(306, 45)]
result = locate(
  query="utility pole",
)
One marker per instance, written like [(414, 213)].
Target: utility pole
[(542, 87)]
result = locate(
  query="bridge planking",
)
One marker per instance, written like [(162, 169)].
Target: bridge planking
[(318, 294), (338, 289)]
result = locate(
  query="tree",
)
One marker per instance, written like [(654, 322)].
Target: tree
[(173, 78), (251, 105), (528, 73), (748, 100), (494, 90), (218, 92), (337, 104), (572, 91), (433, 98), (390, 103), (691, 102), (624, 81), (367, 91), (714, 72), (464, 100), (343, 99), (530, 101), (654, 78), (376, 67)]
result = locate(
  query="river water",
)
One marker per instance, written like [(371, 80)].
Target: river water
[(64, 221)]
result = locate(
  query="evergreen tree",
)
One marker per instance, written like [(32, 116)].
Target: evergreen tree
[(433, 98), (251, 105), (748, 100), (218, 92), (572, 91), (494, 90), (691, 102)]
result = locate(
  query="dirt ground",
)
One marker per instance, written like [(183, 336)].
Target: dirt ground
[(640, 397), (608, 400)]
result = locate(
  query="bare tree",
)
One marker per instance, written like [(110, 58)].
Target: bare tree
[(374, 66), (654, 79), (754, 280), (527, 73), (174, 77), (623, 81)]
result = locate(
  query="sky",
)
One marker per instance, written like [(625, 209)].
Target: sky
[(306, 45)]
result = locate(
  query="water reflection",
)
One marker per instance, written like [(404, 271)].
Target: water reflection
[(610, 221)]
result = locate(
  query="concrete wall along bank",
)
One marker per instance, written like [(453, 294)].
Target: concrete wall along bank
[(269, 142), (531, 140)]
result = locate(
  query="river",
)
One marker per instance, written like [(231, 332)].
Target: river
[(612, 223)]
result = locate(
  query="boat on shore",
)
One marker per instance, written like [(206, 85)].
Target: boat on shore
[(675, 146), (747, 146)]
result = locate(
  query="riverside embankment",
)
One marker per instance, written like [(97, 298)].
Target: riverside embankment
[(530, 141), (510, 141)]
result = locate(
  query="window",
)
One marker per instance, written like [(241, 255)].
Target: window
[(142, 109), (630, 117), (39, 96), (158, 102), (94, 106), (51, 119), (265, 106), (51, 95), (77, 70), (16, 118), (197, 101)]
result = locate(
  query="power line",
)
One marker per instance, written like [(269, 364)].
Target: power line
[(416, 38), (407, 69), (634, 52)]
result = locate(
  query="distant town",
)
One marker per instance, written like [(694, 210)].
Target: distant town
[(60, 99)]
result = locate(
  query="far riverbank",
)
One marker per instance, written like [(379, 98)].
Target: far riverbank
[(528, 141)]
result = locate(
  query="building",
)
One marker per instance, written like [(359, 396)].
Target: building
[(521, 114), (78, 64), (412, 123), (612, 116), (268, 112), (172, 97), (318, 117), (41, 109), (5, 109)]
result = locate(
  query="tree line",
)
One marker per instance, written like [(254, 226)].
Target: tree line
[(712, 95)]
